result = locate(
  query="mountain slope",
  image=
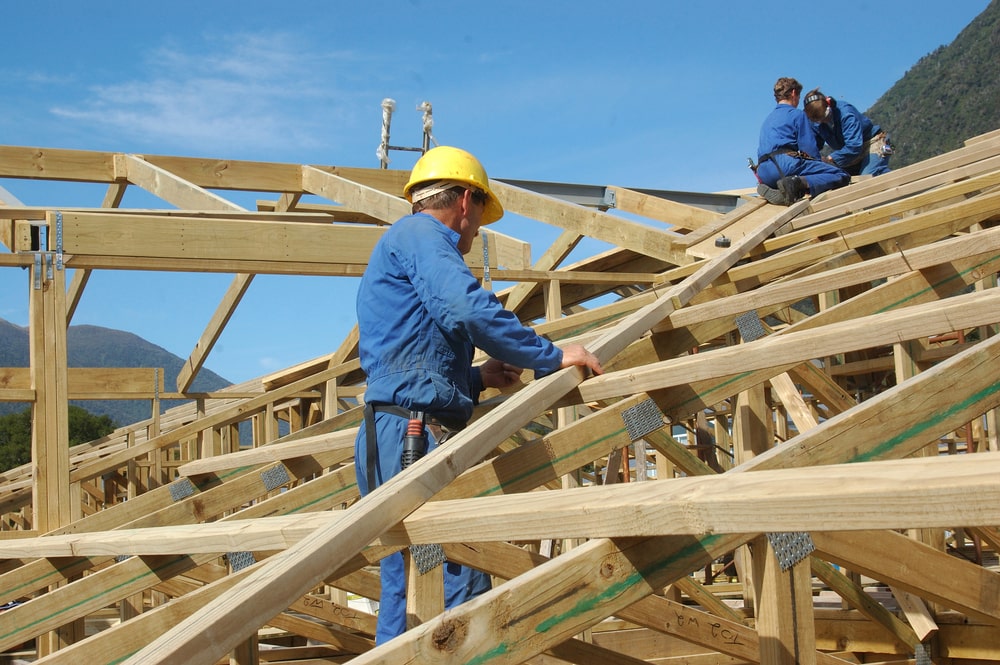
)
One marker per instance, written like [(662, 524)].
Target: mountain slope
[(950, 95), (94, 346)]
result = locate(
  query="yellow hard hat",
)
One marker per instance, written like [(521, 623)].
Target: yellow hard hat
[(454, 164)]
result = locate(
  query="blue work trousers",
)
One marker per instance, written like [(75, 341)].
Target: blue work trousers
[(460, 582), (820, 175)]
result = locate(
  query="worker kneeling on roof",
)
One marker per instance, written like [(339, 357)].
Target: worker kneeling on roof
[(421, 315)]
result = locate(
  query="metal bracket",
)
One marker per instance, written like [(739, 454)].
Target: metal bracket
[(240, 560), (750, 326), (641, 419), (921, 654), (274, 477), (610, 198), (427, 557), (59, 240), (181, 488), (791, 547), (486, 256)]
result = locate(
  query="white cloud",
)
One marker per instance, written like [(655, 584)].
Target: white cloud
[(246, 90)]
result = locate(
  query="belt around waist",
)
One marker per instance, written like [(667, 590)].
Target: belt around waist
[(427, 418)]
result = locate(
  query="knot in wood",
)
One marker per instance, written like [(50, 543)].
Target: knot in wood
[(450, 634)]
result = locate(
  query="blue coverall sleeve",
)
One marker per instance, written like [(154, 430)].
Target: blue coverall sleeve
[(805, 137), (457, 303), (852, 127)]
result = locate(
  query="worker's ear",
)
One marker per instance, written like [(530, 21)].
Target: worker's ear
[(466, 202)]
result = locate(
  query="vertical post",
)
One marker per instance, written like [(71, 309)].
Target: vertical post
[(50, 414)]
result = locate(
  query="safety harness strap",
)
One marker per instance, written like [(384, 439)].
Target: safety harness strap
[(371, 443)]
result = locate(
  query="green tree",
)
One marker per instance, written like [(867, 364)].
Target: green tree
[(15, 433)]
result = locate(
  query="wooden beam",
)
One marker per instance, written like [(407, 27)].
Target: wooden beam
[(592, 223), (779, 350), (909, 493), (669, 212), (917, 568), (49, 417), (94, 382)]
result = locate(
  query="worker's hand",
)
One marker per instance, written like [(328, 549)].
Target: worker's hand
[(497, 374), (576, 354)]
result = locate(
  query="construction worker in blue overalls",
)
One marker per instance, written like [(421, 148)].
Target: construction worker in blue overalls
[(788, 159), (848, 138), (421, 315)]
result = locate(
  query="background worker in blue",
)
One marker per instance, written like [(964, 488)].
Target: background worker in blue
[(421, 315), (853, 142), (788, 159)]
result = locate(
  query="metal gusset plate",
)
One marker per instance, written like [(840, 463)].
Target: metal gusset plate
[(750, 326), (427, 557), (240, 560), (181, 488), (275, 477), (641, 419), (791, 547)]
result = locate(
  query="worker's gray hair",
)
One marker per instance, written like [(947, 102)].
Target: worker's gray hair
[(437, 195)]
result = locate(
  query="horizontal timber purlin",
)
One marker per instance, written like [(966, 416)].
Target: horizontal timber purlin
[(880, 314)]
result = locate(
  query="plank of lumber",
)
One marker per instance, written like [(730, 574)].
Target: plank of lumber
[(933, 318), (592, 223), (342, 441), (172, 188), (847, 589), (676, 214), (95, 382), (917, 568), (719, 633), (155, 236), (378, 204), (551, 602), (56, 164), (908, 493)]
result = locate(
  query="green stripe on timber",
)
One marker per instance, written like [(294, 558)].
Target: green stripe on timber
[(898, 303), (924, 425), (35, 581), (66, 608), (944, 281), (717, 386), (329, 496), (589, 604), (498, 489)]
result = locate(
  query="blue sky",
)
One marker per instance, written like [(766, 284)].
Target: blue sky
[(654, 94)]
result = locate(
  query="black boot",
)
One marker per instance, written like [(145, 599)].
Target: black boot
[(771, 195), (793, 187)]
